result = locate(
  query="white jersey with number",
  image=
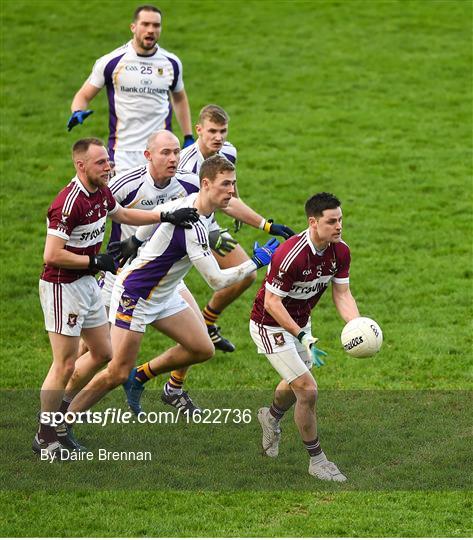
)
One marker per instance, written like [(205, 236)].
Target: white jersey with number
[(192, 158), (136, 189), (138, 94)]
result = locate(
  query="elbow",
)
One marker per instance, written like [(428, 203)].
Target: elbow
[(216, 284), (50, 260)]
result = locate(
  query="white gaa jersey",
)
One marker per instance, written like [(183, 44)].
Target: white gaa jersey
[(138, 94), (136, 189), (164, 260), (191, 157)]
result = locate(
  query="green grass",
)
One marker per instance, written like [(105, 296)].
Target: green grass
[(369, 99)]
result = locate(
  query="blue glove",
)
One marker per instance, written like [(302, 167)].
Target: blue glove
[(77, 117), (277, 229), (309, 343), (262, 254), (188, 140)]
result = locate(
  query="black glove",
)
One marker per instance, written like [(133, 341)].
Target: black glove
[(124, 250), (237, 225), (77, 117), (278, 230), (102, 261), (221, 243), (182, 217)]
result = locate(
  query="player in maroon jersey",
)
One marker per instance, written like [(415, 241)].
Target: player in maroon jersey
[(280, 325), (70, 296)]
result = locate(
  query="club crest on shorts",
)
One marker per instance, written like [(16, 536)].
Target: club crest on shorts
[(72, 319), (126, 302), (279, 339)]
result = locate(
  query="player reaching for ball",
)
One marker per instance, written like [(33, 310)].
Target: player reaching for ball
[(280, 325)]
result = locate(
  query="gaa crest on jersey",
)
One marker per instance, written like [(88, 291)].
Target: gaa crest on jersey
[(72, 320), (279, 339)]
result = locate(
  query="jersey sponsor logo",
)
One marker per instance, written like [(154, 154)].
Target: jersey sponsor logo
[(142, 90), (279, 339), (353, 343), (72, 319), (92, 234), (306, 289)]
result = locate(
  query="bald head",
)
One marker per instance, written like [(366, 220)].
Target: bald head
[(160, 138), (162, 152)]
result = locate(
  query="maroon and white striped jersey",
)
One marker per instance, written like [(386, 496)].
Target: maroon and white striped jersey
[(300, 275), (79, 218)]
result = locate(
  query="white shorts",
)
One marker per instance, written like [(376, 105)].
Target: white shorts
[(127, 160), (69, 307), (135, 314), (284, 351), (106, 283)]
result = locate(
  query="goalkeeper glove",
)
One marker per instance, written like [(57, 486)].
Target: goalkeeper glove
[(77, 117), (188, 140), (221, 242), (102, 261), (309, 343), (277, 229), (125, 250), (182, 217), (262, 254)]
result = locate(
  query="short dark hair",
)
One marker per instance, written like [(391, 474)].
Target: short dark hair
[(82, 145), (145, 7), (214, 113), (214, 165), (315, 206)]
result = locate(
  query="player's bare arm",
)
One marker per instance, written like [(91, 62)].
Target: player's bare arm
[(274, 306), (344, 301), (56, 255), (84, 96), (239, 210), (181, 108)]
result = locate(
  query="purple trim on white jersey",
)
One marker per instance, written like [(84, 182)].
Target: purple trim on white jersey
[(175, 68), (200, 231), (127, 200), (190, 188), (112, 120), (168, 121), (140, 282), (128, 177), (230, 158)]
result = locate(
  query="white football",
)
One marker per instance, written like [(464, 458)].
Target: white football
[(362, 337)]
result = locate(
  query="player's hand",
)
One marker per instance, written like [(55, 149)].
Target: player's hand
[(237, 225), (188, 140), (221, 242), (182, 217), (102, 261), (262, 254), (278, 230), (125, 250), (77, 117), (315, 354)]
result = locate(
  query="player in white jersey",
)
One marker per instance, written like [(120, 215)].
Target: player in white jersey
[(139, 77), (69, 294), (212, 130), (146, 291)]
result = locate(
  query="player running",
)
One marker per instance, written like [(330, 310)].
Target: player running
[(280, 325), (146, 292), (70, 296)]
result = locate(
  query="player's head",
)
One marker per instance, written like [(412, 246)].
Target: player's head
[(324, 213), (91, 162), (146, 28), (162, 152), (212, 129), (217, 180)]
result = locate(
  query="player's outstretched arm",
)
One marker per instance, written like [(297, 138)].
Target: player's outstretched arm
[(219, 279), (80, 103), (237, 209), (344, 301), (181, 217)]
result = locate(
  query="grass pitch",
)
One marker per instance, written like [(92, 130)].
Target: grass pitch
[(368, 99)]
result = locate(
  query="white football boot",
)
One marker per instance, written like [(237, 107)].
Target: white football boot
[(323, 469), (271, 433)]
